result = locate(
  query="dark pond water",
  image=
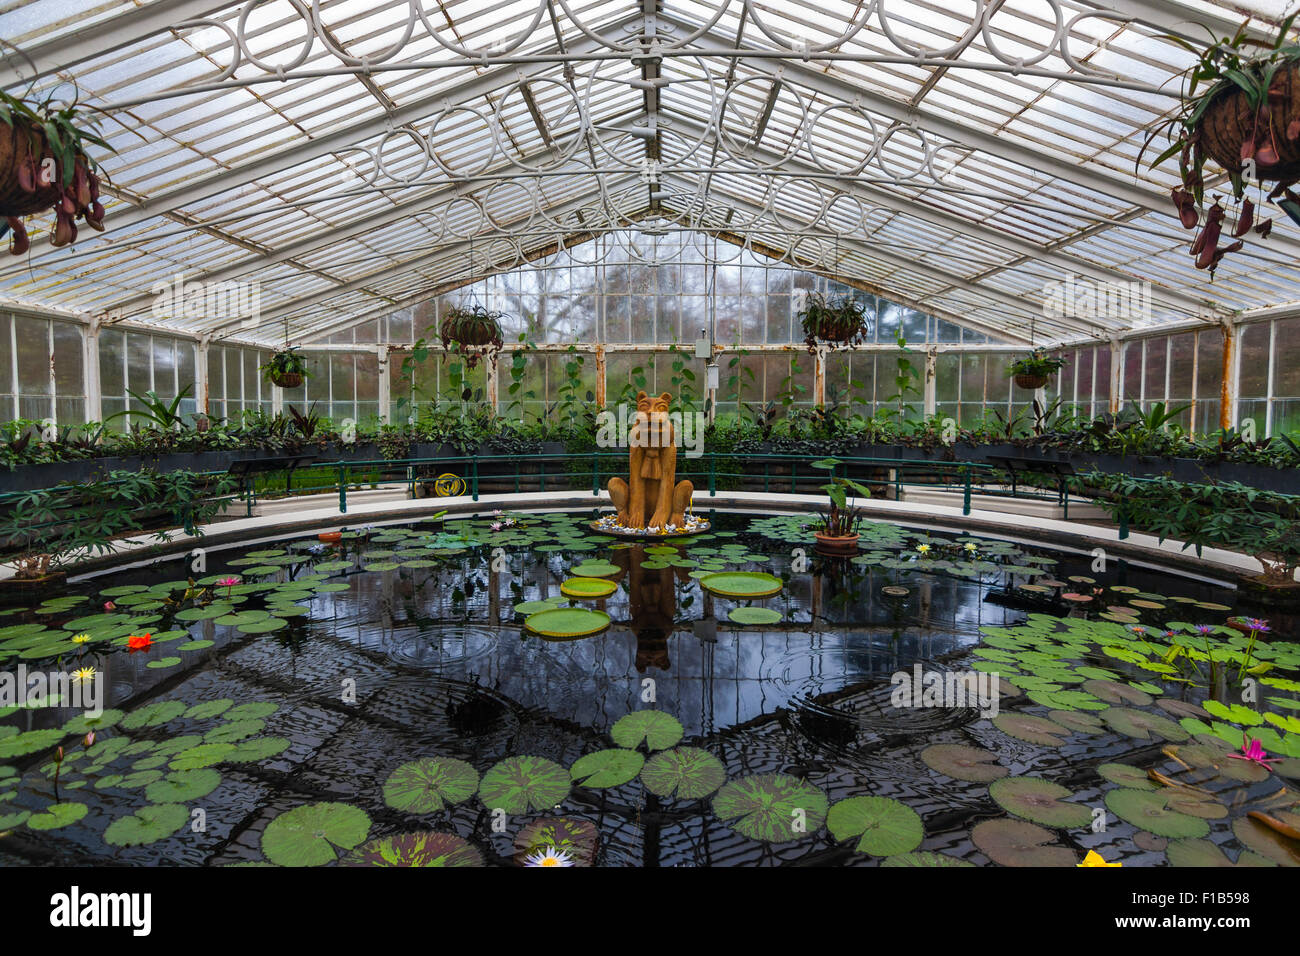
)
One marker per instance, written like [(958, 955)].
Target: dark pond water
[(327, 667)]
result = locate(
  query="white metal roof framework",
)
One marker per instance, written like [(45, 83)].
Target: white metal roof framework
[(354, 157)]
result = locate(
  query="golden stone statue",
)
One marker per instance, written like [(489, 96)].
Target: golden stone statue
[(651, 497)]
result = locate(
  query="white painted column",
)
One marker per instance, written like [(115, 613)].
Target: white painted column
[(385, 383), (201, 391), (90, 371), (931, 368)]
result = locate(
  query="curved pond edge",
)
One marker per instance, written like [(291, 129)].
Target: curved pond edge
[(320, 513)]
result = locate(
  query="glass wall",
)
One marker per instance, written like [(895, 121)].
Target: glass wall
[(1183, 370), (42, 370), (1269, 380), (235, 385), (139, 362)]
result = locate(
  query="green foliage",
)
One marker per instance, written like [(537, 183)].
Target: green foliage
[(284, 362), (51, 526), (1221, 515)]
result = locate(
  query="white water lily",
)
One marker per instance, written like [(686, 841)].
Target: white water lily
[(549, 856)]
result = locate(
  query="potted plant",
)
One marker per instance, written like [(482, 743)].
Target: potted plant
[(839, 531), (1035, 369), (286, 368), (840, 320), (474, 330), (1239, 108), (44, 165)]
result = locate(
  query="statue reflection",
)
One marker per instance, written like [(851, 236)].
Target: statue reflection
[(652, 604)]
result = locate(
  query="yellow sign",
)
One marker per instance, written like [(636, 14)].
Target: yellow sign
[(448, 486)]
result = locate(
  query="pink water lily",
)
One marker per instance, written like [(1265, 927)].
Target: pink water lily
[(1253, 751)]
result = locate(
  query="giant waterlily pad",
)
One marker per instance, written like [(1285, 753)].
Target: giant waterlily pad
[(964, 763), (772, 807), (654, 728), (886, 827), (1019, 843), (312, 835), (518, 784), (1143, 725), (688, 773), (1149, 810), (754, 615), (147, 825), (427, 786), (427, 848), (741, 584), (1039, 801), (587, 588), (607, 768), (567, 622)]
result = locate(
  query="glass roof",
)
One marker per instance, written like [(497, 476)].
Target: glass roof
[(353, 157)]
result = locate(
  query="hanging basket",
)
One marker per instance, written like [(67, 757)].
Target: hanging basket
[(471, 329), (1031, 382), (286, 379), (1229, 121)]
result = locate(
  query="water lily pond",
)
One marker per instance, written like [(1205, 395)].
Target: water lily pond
[(517, 689)]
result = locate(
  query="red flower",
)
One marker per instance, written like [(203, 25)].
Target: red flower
[(139, 642)]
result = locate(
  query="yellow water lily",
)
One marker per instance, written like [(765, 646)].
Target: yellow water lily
[(971, 546), (81, 639), (1096, 859), (83, 675), (923, 548)]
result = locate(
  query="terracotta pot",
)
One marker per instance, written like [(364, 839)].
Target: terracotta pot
[(1229, 121), (330, 537), (1031, 381), (287, 379), (837, 544)]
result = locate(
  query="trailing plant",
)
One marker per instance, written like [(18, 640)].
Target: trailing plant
[(283, 366), (474, 330), (1037, 364), (840, 320)]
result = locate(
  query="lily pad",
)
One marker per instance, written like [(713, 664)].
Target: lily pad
[(742, 584), (1031, 729), (182, 786), (1202, 853), (1019, 843), (772, 807), (755, 615), (57, 815), (427, 786), (567, 622), (575, 836), (964, 763), (147, 825), (587, 588), (1148, 810), (427, 848), (518, 784), (312, 835), (1143, 725), (924, 858), (886, 827), (607, 768), (1039, 801), (688, 773), (1126, 775), (654, 728)]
